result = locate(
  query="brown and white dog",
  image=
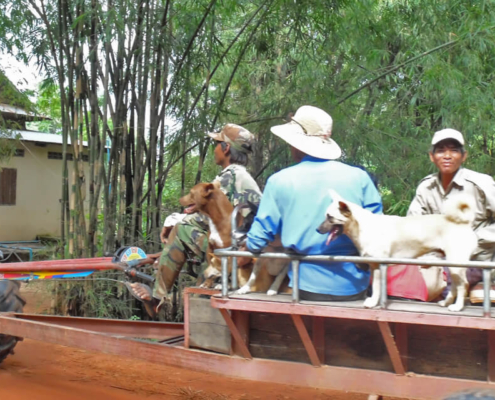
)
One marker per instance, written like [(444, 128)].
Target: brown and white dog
[(264, 269), (208, 199), (377, 235)]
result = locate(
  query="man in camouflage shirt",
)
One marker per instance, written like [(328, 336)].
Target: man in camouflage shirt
[(188, 239)]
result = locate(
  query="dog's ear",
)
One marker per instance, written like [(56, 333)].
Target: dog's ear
[(344, 209), (208, 189)]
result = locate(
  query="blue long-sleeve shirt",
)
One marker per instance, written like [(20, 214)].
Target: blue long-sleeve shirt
[(293, 205)]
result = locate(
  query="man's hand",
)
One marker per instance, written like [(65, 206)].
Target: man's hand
[(243, 261), (164, 240)]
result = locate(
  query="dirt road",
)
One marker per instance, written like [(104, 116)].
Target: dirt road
[(41, 371)]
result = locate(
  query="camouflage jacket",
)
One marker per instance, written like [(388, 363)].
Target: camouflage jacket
[(239, 187)]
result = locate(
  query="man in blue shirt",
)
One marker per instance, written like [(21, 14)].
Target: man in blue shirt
[(294, 202)]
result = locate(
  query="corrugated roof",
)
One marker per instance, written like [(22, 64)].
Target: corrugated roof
[(11, 109), (32, 136)]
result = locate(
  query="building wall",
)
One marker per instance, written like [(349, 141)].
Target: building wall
[(39, 193)]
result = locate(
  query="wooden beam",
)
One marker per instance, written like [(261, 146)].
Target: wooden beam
[(186, 319), (433, 315), (393, 352), (306, 340), (241, 345), (401, 340), (319, 337), (241, 321)]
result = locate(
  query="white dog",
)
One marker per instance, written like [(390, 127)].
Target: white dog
[(377, 235)]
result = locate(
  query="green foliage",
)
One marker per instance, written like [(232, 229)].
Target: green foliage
[(48, 104), (390, 73)]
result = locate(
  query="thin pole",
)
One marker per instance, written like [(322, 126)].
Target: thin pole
[(295, 281), (225, 277), (487, 285), (383, 285)]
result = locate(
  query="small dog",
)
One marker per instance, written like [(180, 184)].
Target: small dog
[(208, 199), (377, 235), (259, 281)]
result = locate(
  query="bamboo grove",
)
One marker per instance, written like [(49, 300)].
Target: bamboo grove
[(143, 81)]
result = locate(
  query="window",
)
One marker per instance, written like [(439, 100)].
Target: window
[(19, 153), (8, 186), (52, 155), (85, 157)]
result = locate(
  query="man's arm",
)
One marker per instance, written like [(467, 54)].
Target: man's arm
[(267, 222), (418, 205), (486, 230)]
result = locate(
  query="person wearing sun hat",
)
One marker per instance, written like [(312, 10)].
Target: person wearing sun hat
[(294, 203), (188, 238)]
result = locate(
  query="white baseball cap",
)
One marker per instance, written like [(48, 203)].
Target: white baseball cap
[(447, 134)]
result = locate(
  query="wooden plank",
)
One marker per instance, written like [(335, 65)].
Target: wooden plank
[(393, 352), (440, 351), (312, 308), (200, 290), (211, 337), (401, 341), (272, 334), (392, 305), (491, 356), (236, 334), (355, 344), (318, 332), (186, 320), (207, 328), (241, 320), (306, 340)]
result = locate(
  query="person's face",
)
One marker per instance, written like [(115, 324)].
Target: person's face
[(219, 153), (447, 156)]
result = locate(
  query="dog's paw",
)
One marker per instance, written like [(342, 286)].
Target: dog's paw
[(243, 290), (442, 303), (456, 307), (370, 302), (218, 286), (271, 292)]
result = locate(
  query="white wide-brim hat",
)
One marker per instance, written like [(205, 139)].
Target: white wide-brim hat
[(309, 131)]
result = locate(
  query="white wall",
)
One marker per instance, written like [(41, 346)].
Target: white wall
[(39, 192)]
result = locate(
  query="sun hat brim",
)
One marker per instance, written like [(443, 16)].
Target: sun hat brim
[(293, 134)]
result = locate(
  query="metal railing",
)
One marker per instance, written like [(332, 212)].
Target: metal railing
[(487, 266)]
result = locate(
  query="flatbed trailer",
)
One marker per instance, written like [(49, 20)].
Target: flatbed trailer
[(401, 349)]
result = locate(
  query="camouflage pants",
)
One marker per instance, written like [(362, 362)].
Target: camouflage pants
[(185, 241)]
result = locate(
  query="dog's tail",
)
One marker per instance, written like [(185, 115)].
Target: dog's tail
[(460, 209)]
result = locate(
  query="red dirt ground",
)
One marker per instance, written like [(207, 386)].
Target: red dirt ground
[(43, 371)]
